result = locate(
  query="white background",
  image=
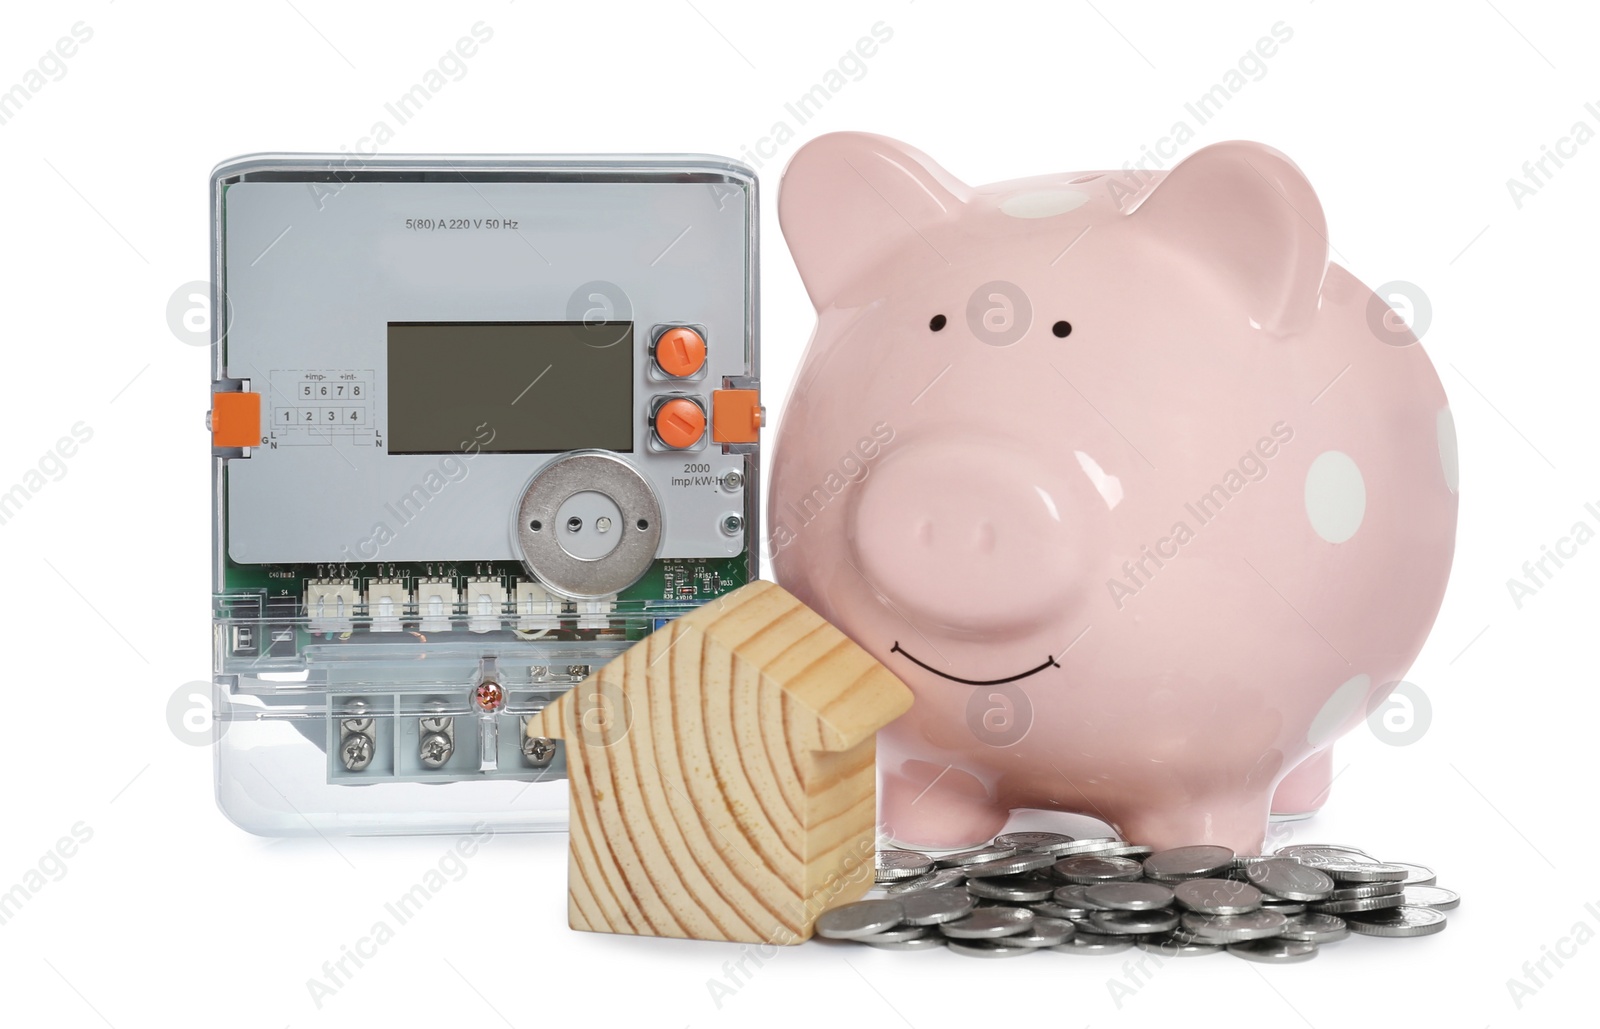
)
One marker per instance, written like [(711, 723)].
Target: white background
[(1408, 120)]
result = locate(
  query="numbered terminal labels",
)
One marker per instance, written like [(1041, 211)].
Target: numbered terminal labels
[(477, 424)]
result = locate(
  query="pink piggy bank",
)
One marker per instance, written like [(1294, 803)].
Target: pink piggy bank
[(1146, 500)]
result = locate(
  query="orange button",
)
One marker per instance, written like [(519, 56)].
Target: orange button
[(236, 419), (680, 423), (736, 415), (680, 352)]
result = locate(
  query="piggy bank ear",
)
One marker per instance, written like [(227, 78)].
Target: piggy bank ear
[(1246, 212), (848, 198)]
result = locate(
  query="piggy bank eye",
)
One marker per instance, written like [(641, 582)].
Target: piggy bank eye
[(1062, 329), (936, 322)]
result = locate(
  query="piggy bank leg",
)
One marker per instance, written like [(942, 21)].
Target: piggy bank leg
[(1236, 822), (937, 807), (1305, 789)]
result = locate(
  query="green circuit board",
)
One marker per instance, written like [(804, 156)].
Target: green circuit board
[(670, 587)]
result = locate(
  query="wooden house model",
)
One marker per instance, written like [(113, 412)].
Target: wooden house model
[(723, 780)]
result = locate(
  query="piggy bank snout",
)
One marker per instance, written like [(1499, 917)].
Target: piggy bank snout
[(969, 536)]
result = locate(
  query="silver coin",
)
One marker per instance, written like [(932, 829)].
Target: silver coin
[(989, 923), (1087, 869), (1436, 897), (1256, 925), (983, 903), (1317, 859), (1402, 921), (1137, 851), (1243, 861), (1217, 896), (982, 949), (862, 918), (1077, 896), (1044, 932), (1368, 872), (930, 907), (1273, 951), (1315, 928), (1360, 904), (935, 880), (1013, 889), (1296, 849), (1052, 909), (1421, 875), (1169, 945), (1045, 842), (1089, 845), (1125, 896), (895, 865), (933, 941), (901, 934), (1013, 865), (1363, 890), (1187, 863), (1093, 943), (1289, 879), (1331, 859), (1283, 907), (1133, 923), (973, 857)]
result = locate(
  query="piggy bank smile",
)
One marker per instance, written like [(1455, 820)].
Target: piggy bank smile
[(1048, 662)]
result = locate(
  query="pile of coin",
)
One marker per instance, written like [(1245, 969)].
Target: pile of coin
[(1031, 891)]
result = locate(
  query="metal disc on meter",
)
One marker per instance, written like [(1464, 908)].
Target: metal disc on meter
[(588, 525)]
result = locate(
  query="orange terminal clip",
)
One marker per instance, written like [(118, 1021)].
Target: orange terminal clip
[(736, 415), (236, 419)]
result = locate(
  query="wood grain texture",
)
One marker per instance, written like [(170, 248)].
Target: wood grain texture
[(723, 774)]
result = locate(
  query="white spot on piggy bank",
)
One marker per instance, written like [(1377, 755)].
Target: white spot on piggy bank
[(1336, 496), (1448, 459), (1337, 713)]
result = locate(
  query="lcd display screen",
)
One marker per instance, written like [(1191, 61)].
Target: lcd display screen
[(510, 387)]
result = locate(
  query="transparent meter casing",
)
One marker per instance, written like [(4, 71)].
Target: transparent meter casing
[(478, 425)]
